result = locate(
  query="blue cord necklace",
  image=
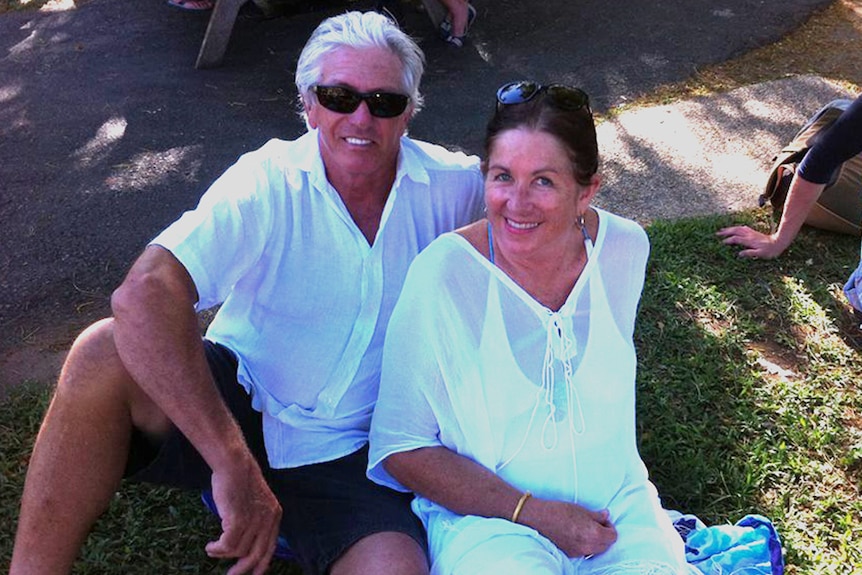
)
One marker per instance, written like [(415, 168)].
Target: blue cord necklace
[(490, 244)]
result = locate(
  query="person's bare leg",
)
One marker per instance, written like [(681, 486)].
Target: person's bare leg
[(459, 18), (458, 15), (80, 453), (384, 553)]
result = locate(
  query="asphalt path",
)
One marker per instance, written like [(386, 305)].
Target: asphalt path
[(108, 132)]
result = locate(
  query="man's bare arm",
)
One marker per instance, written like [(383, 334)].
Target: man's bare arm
[(157, 337)]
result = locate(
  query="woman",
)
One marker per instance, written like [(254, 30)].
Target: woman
[(507, 393)]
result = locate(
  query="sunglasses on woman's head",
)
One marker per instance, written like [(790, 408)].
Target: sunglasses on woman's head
[(345, 101), (563, 97)]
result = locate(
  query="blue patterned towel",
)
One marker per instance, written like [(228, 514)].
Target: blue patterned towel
[(751, 547)]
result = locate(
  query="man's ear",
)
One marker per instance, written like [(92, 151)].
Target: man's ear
[(308, 107)]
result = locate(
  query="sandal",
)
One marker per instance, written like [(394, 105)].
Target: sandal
[(457, 41), (446, 28), (192, 5)]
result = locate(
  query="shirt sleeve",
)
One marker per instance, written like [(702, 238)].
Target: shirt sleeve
[(839, 143), (222, 238)]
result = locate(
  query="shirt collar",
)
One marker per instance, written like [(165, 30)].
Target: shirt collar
[(410, 165)]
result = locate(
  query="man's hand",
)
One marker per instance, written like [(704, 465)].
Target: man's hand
[(577, 531), (250, 517), (755, 245)]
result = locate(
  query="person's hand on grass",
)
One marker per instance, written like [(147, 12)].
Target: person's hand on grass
[(577, 531), (755, 245), (250, 517)]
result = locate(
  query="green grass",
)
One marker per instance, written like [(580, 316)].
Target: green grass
[(146, 530), (748, 390), (748, 402)]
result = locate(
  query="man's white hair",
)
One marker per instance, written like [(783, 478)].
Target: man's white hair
[(360, 30)]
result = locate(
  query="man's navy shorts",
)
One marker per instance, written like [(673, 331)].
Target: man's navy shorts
[(327, 507)]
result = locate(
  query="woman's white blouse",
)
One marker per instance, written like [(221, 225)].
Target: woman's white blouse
[(544, 399)]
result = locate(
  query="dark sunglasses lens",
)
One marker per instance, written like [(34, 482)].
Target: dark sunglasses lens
[(345, 101), (337, 99), (517, 92), (386, 104), (569, 98)]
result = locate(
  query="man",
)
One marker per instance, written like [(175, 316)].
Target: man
[(305, 244), (839, 143)]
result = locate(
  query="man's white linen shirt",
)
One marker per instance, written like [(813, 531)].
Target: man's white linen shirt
[(304, 298)]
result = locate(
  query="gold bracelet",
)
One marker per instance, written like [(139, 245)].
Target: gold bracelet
[(520, 506)]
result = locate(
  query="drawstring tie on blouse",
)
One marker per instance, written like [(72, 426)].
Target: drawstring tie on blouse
[(560, 347)]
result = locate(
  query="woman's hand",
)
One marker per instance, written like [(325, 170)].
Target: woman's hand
[(465, 487), (575, 530)]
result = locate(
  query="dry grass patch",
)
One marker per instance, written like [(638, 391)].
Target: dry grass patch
[(826, 45)]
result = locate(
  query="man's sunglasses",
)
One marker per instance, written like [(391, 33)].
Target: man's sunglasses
[(563, 97), (345, 101)]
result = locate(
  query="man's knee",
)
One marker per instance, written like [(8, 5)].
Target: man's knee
[(93, 357), (94, 374)]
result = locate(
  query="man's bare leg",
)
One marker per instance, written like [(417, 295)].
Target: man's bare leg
[(80, 453)]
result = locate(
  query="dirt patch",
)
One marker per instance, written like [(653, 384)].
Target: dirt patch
[(774, 361), (37, 357), (29, 363)]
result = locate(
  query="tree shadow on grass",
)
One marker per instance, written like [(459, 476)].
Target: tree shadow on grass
[(748, 399)]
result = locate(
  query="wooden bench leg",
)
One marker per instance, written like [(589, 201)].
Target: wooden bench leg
[(218, 33)]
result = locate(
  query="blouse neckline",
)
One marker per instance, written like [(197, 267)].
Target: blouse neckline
[(593, 247)]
